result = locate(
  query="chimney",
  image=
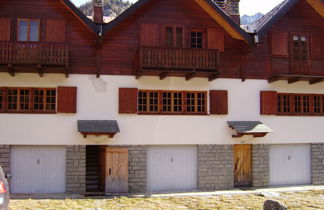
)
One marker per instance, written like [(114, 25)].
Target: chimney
[(232, 8), (97, 11)]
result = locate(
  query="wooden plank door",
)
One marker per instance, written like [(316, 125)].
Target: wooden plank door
[(117, 170), (243, 165)]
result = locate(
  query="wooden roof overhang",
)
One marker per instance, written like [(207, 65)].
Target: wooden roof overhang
[(292, 78), (254, 128), (208, 5), (261, 26), (92, 26), (98, 127)]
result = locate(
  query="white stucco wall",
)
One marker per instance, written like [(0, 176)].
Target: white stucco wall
[(98, 100)]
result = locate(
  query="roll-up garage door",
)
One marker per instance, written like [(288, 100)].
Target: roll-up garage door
[(172, 168), (38, 169), (290, 164)]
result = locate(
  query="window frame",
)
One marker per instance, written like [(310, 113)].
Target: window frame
[(28, 29), (174, 106), (315, 107), (203, 38), (31, 100), (174, 36)]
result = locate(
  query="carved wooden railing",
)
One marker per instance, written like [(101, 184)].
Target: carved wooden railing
[(178, 58), (34, 53)]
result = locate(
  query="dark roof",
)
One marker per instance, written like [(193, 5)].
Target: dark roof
[(98, 126), (245, 127), (89, 23), (263, 24), (140, 3)]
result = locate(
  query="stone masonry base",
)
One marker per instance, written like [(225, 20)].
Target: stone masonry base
[(76, 169), (317, 158), (215, 167), (260, 165), (5, 158)]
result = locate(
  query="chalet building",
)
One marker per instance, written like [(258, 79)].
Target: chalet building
[(172, 95)]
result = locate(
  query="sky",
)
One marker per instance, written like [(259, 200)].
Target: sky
[(248, 7)]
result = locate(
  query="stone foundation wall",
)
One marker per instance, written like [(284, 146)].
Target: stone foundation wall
[(137, 171), (260, 165), (5, 158), (76, 169), (317, 158), (215, 167)]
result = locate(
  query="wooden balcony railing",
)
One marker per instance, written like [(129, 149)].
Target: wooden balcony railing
[(185, 59), (21, 53)]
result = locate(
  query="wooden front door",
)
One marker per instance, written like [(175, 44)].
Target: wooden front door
[(117, 170), (243, 165)]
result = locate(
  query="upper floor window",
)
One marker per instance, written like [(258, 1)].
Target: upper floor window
[(28, 30), (174, 36), (196, 39), (300, 45), (172, 102)]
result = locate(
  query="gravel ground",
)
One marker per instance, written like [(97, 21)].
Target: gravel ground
[(313, 199)]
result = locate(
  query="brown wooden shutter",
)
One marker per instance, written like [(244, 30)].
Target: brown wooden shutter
[(218, 102), (317, 46), (279, 43), (67, 99), (149, 35), (5, 28), (216, 39), (268, 102), (55, 30), (128, 100)]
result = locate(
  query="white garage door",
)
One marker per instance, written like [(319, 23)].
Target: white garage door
[(290, 164), (172, 168), (38, 169)]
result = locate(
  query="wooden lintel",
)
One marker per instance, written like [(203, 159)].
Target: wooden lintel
[(315, 81), (189, 76), (40, 70), (293, 80), (163, 75), (274, 79), (255, 135), (213, 77), (11, 70)]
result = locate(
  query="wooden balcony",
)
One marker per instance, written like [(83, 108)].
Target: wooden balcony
[(37, 57), (170, 61)]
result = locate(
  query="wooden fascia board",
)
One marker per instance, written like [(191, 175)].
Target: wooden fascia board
[(317, 5), (91, 26), (221, 20)]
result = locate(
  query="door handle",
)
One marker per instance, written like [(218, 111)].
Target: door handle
[(109, 172)]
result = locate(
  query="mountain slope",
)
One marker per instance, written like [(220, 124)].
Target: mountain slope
[(246, 20)]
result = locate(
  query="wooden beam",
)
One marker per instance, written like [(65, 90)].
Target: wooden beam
[(190, 76), (164, 75), (213, 77), (40, 70), (315, 81), (293, 80), (274, 79), (138, 75)]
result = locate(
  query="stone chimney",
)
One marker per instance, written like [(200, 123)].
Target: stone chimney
[(97, 11), (232, 8)]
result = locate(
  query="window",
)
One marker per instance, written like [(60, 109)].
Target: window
[(172, 102), (196, 39), (28, 30), (300, 104), (174, 36), (300, 45), (28, 99)]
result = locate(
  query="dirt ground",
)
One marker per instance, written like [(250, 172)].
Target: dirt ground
[(313, 199)]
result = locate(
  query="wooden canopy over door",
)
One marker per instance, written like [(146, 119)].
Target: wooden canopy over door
[(243, 165), (117, 170)]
